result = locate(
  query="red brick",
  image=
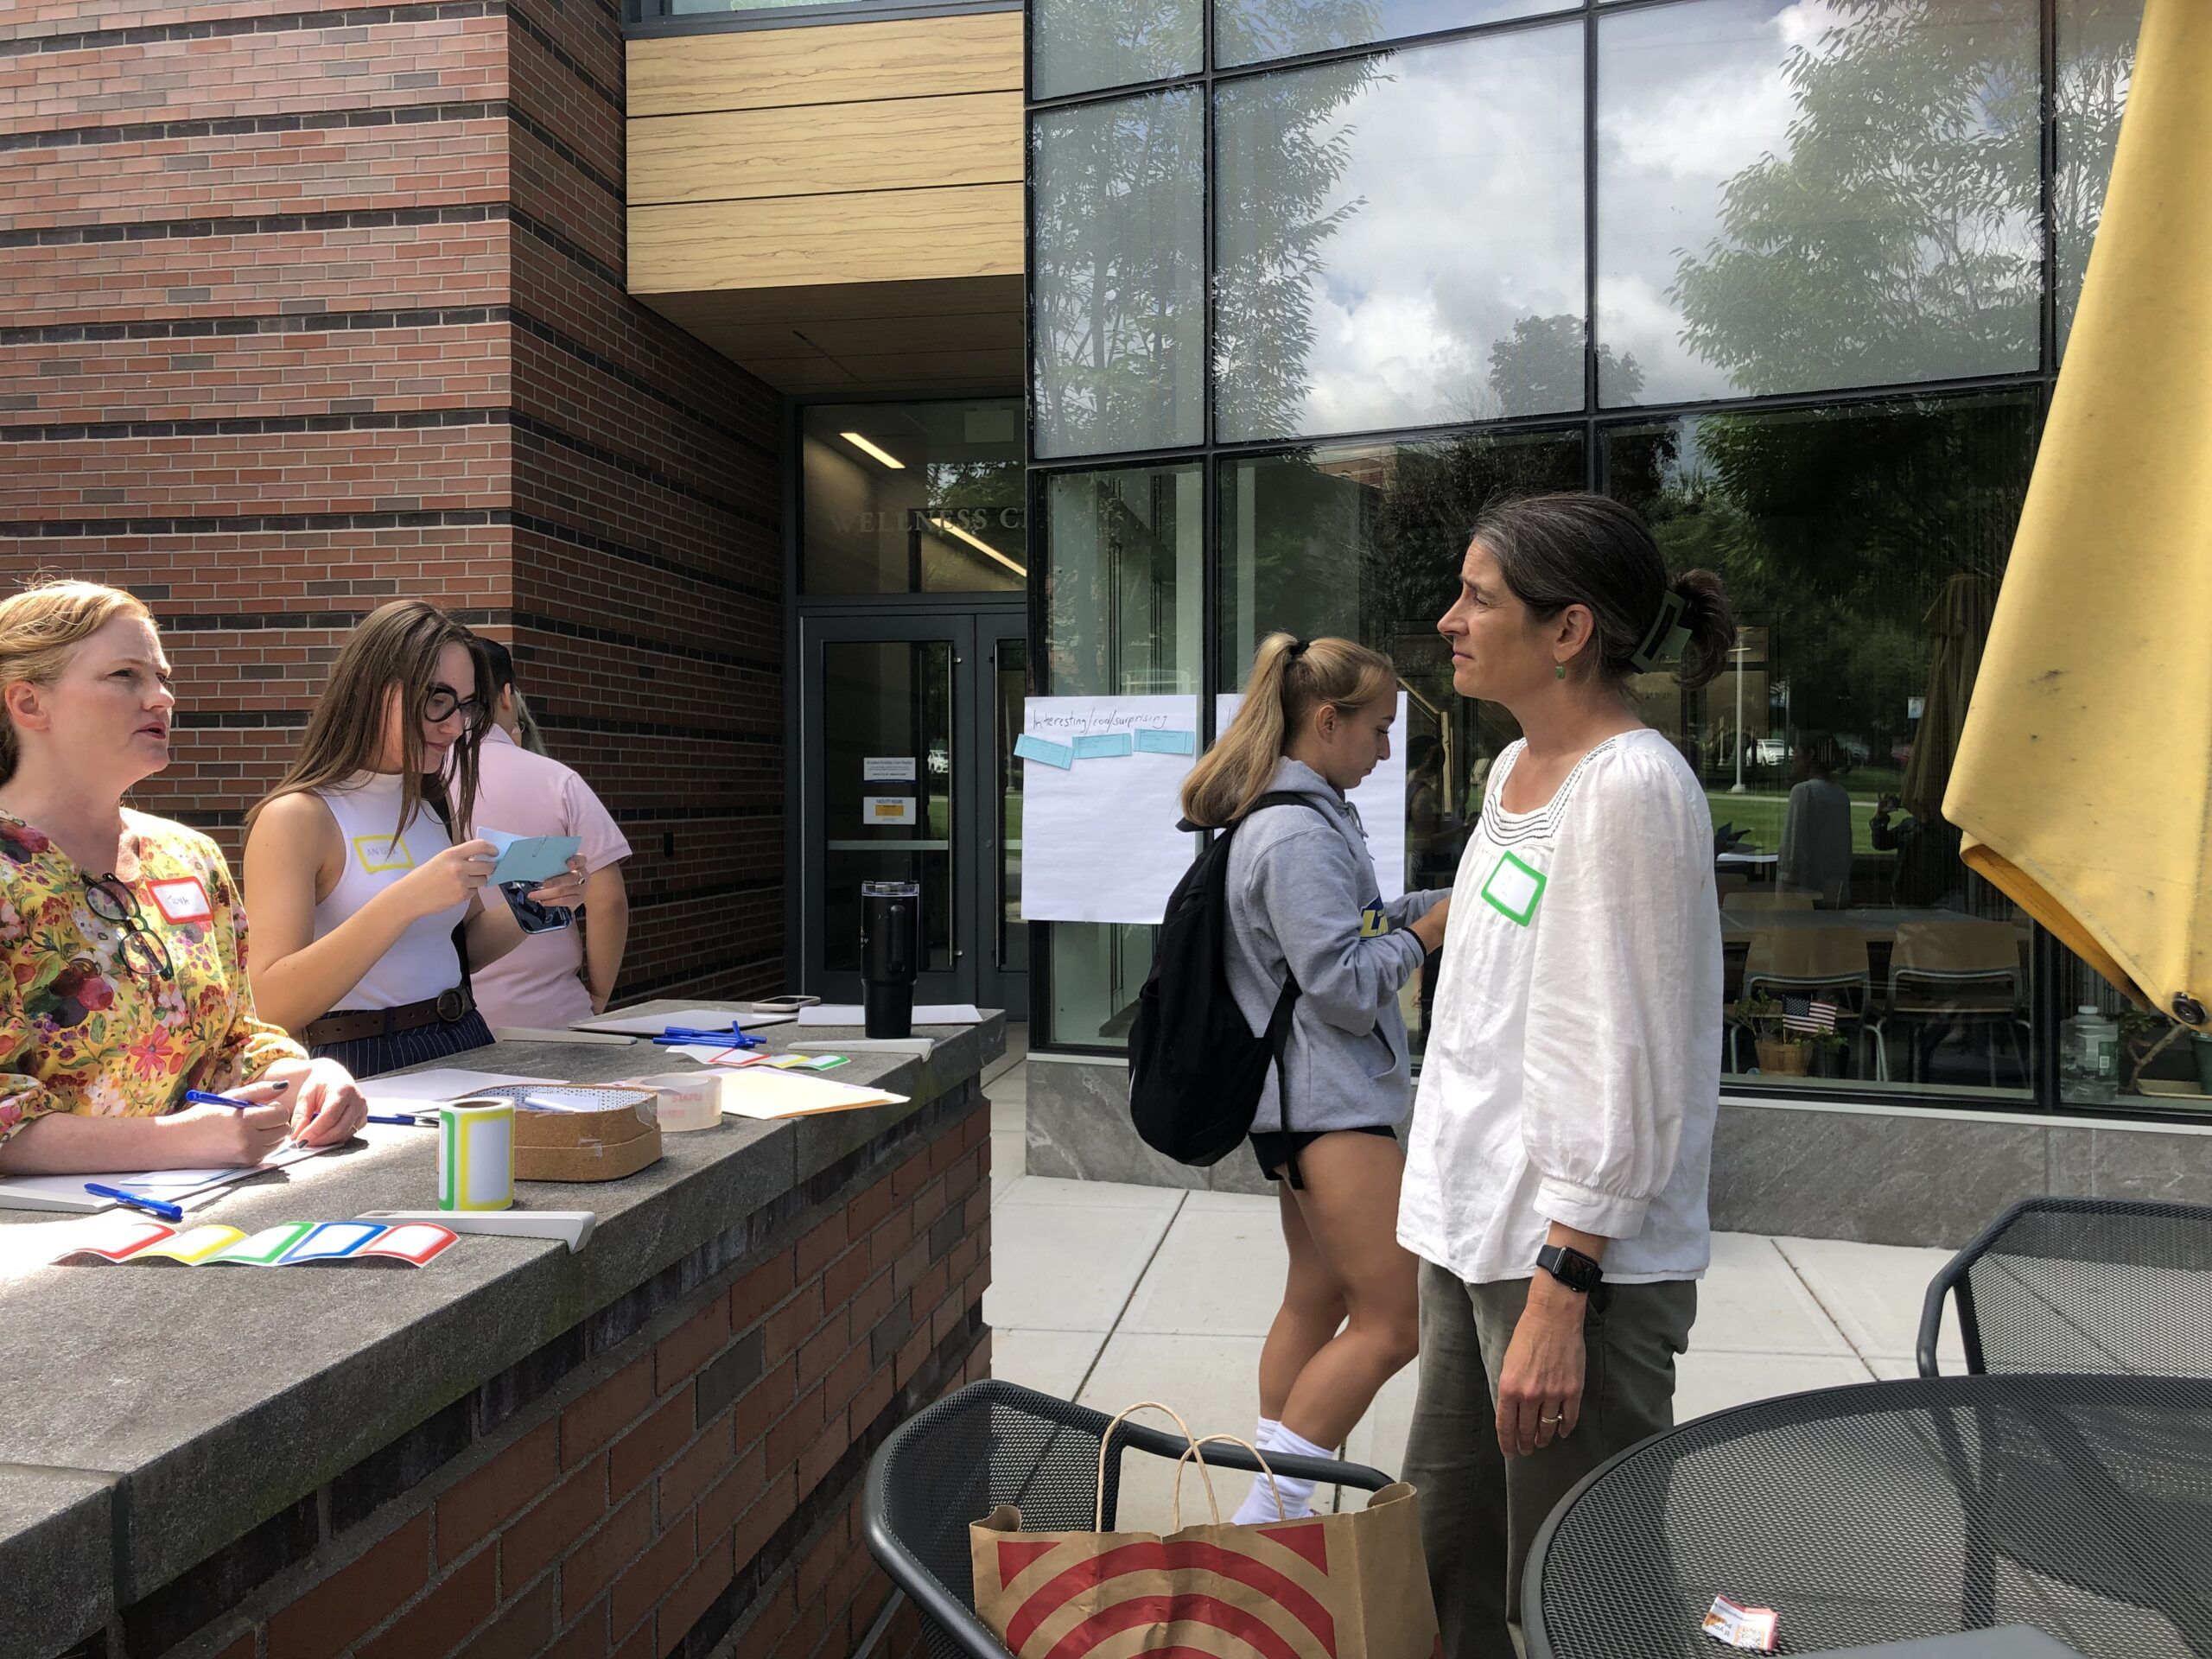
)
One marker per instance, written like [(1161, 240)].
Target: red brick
[(769, 1512), (868, 1210), (759, 1291), (943, 1151), (842, 1279), (523, 1627), (688, 1602), (822, 1351), (356, 1599), (585, 1638), (691, 1345), (633, 1458), (538, 1539), (443, 1620), (691, 1473), (819, 1561), (821, 1456), (846, 1376), (792, 1323), (642, 1584), (819, 1247), (592, 1565), (596, 1417), (867, 1405), (241, 1648), (872, 1301), (474, 1506), (765, 1402)]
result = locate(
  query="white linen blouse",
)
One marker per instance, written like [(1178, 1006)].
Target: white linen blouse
[(1573, 1072)]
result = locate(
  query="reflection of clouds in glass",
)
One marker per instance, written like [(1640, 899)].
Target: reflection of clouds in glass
[(1460, 192), (1873, 210)]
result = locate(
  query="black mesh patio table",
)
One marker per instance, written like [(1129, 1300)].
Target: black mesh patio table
[(2080, 1505)]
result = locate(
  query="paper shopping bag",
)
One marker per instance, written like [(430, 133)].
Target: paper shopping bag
[(1326, 1586)]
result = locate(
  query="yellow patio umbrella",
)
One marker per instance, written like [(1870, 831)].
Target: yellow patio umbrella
[(2083, 781)]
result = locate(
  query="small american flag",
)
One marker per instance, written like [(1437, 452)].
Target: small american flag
[(1808, 1013)]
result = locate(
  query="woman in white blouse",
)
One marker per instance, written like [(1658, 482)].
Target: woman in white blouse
[(1556, 1180)]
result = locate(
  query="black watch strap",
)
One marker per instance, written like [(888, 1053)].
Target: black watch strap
[(1571, 1268)]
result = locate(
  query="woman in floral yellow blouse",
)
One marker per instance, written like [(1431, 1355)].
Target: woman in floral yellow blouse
[(122, 936)]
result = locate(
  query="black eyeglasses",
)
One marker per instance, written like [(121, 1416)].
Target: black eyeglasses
[(443, 704), (142, 949)]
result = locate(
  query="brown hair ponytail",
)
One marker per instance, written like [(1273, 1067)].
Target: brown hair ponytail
[(1290, 679)]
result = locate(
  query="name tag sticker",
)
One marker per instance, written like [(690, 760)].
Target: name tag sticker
[(181, 899), (1515, 889)]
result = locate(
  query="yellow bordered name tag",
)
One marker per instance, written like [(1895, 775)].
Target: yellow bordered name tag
[(379, 855), (1515, 889)]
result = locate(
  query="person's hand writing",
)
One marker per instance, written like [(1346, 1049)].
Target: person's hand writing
[(1539, 1388), (453, 877), (219, 1137), (327, 1105)]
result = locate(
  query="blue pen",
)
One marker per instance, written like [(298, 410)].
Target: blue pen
[(137, 1201), (201, 1097), (397, 1117), (681, 1037)]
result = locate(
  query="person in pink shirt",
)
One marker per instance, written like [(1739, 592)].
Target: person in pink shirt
[(550, 980)]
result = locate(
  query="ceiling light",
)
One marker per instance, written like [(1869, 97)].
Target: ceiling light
[(980, 546), (868, 448)]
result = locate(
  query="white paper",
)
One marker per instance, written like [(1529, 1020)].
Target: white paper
[(439, 1085), (886, 809), (1099, 841), (888, 769), (765, 1093), (652, 1025), (1379, 798), (926, 1013), (66, 1192)]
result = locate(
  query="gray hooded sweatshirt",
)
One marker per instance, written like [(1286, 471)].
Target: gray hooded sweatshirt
[(1302, 894)]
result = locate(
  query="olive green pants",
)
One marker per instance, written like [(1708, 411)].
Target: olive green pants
[(1480, 1511)]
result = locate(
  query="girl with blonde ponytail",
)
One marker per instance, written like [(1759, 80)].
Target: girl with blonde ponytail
[(1304, 902)]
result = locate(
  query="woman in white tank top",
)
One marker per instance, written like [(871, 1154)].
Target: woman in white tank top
[(363, 904)]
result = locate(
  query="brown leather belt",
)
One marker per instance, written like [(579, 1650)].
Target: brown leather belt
[(448, 1007)]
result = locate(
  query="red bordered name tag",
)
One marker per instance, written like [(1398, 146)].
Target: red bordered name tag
[(180, 899)]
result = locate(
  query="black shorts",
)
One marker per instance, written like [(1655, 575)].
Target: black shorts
[(1278, 1152)]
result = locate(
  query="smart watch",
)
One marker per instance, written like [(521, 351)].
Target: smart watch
[(1571, 1268)]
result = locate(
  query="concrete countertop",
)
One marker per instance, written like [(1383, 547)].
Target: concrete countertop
[(174, 1410)]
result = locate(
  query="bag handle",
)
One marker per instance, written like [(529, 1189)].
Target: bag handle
[(1212, 1503), (1106, 1444)]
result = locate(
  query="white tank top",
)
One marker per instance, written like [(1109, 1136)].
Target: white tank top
[(423, 961)]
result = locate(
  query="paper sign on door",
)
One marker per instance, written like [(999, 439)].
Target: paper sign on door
[(888, 808), (887, 768)]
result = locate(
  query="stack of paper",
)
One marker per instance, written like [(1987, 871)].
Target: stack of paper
[(926, 1013), (652, 1025), (763, 1093), (67, 1193)]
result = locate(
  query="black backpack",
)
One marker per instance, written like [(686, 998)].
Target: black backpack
[(1196, 1070)]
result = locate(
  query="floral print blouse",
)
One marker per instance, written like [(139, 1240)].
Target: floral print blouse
[(88, 1022)]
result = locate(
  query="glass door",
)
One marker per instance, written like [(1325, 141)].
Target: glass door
[(907, 725)]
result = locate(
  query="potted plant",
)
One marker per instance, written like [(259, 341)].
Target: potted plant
[(1830, 1052), (1782, 1053)]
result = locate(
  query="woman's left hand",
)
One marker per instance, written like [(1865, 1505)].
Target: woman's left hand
[(566, 891), (327, 1105), (1539, 1388)]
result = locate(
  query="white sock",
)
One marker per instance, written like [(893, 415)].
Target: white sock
[(1297, 1494)]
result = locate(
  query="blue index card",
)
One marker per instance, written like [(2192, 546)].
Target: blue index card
[(1152, 742), (1101, 746), (1039, 749)]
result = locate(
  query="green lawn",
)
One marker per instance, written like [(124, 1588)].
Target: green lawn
[(1757, 814)]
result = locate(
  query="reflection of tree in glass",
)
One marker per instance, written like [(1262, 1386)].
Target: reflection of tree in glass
[(1279, 158), (1894, 236), (2097, 55), (1076, 44), (1540, 366), (984, 499), (1837, 530)]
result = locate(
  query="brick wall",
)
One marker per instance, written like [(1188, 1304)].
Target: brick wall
[(680, 1474), (304, 306)]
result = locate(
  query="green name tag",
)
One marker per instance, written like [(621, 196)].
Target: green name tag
[(1515, 889)]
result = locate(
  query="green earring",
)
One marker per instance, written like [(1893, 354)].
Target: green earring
[(1559, 671)]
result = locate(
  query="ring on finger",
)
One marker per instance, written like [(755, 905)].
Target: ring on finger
[(1548, 1422)]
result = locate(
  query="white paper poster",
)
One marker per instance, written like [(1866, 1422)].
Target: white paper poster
[(1381, 798), (1101, 782), (887, 768), (888, 808)]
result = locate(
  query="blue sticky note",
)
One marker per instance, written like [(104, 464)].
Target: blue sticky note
[(1100, 746), (1051, 755), (1152, 742)]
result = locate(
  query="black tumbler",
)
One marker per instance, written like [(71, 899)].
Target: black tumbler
[(890, 940)]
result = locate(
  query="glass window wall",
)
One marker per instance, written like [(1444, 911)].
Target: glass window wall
[(1786, 205), (913, 497), (1081, 45), (1399, 238), (1799, 216), (1124, 614), (1117, 275)]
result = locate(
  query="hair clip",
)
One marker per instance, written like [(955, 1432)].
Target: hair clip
[(1665, 640), (1298, 647)]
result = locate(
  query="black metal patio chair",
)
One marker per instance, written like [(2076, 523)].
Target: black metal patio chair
[(2082, 1285), (993, 1443)]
